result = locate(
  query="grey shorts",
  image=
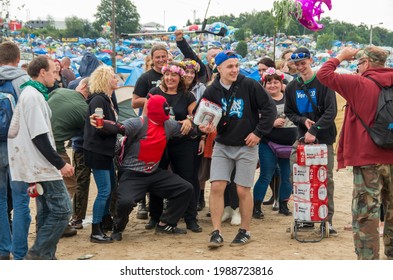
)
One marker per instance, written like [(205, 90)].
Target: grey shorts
[(225, 158)]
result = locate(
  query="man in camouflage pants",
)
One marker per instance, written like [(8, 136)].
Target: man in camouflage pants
[(372, 165)]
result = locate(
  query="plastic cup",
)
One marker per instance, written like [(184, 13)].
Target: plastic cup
[(35, 189)]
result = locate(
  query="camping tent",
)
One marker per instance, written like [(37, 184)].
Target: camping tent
[(124, 99)]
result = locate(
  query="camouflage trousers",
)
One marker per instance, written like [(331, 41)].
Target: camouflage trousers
[(81, 196), (372, 185), (330, 182)]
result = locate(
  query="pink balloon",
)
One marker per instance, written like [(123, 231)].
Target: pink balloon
[(312, 9)]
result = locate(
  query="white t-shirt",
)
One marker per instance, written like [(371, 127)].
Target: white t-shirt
[(31, 118)]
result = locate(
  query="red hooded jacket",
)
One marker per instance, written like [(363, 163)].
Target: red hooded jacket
[(356, 147)]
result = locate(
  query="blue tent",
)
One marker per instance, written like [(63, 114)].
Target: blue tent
[(254, 75), (40, 51), (135, 74)]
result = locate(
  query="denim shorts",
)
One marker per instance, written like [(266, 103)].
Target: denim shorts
[(225, 158)]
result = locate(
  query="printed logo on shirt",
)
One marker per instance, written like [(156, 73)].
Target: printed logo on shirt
[(302, 102), (237, 107), (156, 83)]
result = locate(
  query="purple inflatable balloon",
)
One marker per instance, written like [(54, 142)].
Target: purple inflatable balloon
[(312, 9)]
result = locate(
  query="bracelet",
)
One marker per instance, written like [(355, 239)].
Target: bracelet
[(190, 117), (203, 137)]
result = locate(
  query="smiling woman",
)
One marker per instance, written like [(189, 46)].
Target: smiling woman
[(182, 153)]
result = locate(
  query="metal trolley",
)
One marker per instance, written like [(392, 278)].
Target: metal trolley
[(298, 230), (297, 226)]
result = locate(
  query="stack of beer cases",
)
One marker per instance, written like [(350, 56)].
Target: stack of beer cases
[(310, 183)]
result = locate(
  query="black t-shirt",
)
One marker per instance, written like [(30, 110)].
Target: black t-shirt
[(147, 81), (178, 102)]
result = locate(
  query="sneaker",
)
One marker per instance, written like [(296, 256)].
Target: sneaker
[(227, 213), (236, 218), (193, 226), (169, 230), (151, 224), (241, 238), (275, 206), (332, 231), (76, 224), (216, 240), (142, 213)]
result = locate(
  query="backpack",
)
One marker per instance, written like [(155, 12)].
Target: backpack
[(8, 99), (381, 132)]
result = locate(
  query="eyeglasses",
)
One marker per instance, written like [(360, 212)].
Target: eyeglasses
[(360, 63), (299, 55)]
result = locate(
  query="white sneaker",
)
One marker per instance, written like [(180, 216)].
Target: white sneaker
[(227, 213), (236, 218)]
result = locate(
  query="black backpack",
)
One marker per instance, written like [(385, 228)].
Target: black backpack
[(381, 132)]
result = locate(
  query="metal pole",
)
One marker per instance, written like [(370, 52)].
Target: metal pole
[(371, 31), (113, 25)]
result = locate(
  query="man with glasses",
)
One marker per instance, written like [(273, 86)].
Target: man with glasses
[(312, 107), (372, 165), (359, 64), (236, 145)]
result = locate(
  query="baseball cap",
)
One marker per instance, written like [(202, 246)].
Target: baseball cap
[(300, 54), (373, 54), (223, 56)]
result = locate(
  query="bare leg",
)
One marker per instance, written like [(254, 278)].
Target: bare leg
[(216, 203), (245, 205)]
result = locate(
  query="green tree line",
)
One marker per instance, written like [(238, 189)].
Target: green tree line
[(250, 24)]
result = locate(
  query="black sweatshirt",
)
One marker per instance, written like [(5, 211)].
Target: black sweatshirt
[(250, 101)]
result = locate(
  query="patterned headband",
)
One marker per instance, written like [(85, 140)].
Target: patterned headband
[(191, 64), (271, 71), (174, 69)]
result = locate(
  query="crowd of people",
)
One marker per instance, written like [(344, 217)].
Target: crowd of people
[(159, 162)]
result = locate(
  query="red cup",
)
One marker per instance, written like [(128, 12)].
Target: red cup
[(35, 189), (99, 122)]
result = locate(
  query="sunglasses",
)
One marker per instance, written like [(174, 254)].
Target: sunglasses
[(299, 55), (229, 53)]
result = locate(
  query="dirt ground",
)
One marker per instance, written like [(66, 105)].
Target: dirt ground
[(271, 239)]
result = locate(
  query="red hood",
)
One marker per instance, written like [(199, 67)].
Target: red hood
[(384, 76)]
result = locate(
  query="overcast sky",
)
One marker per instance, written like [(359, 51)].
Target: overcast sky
[(176, 12)]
